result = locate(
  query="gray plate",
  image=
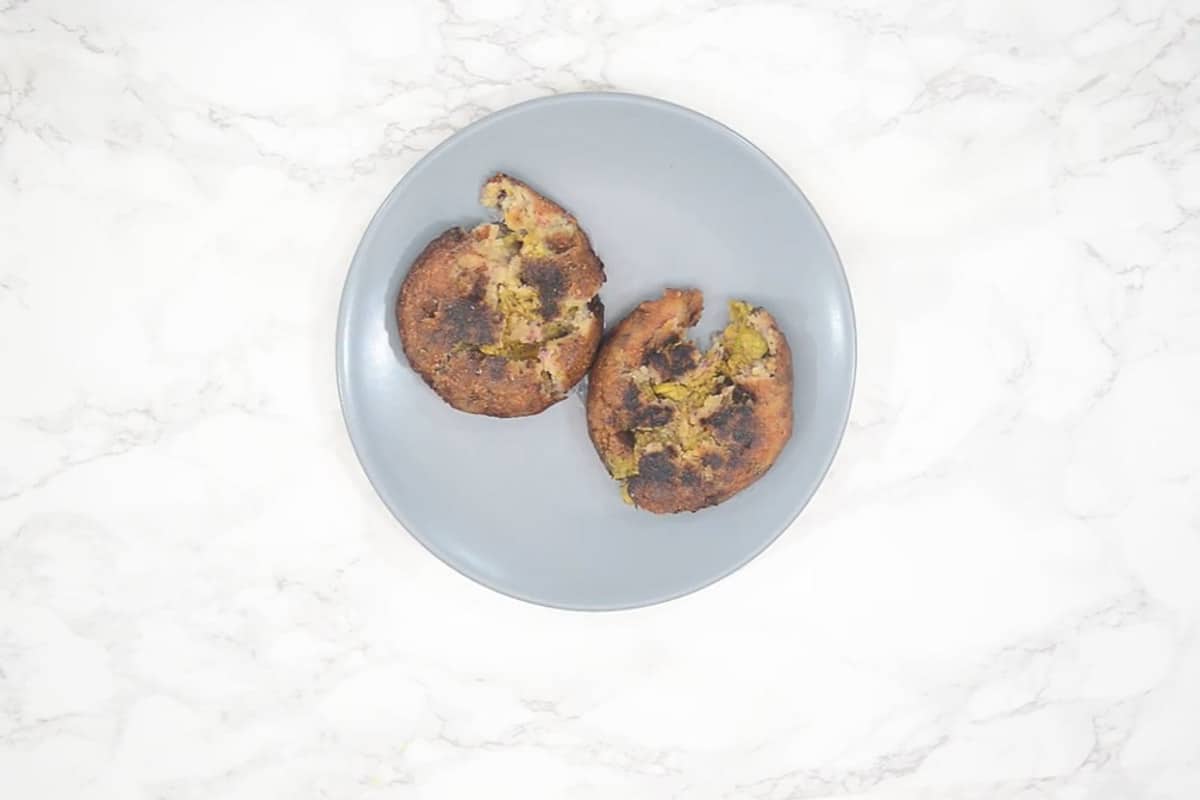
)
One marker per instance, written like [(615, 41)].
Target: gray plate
[(669, 198)]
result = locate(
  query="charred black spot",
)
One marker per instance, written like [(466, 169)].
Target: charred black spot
[(733, 423), (690, 477), (652, 416), (626, 438), (744, 431), (681, 358), (656, 360), (467, 321), (741, 396), (658, 356), (596, 306), (719, 419), (478, 289), (672, 358), (656, 468), (549, 281), (632, 399), (712, 460), (497, 367)]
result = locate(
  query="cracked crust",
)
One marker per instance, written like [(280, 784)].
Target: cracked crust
[(680, 429), (505, 318)]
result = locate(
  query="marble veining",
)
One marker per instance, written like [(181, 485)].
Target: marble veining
[(994, 595)]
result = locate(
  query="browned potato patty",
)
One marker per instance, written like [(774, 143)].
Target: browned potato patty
[(504, 318), (681, 429)]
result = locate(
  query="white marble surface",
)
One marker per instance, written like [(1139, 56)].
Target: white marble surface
[(995, 595)]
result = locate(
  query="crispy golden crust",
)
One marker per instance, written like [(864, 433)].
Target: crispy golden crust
[(682, 429), (505, 318)]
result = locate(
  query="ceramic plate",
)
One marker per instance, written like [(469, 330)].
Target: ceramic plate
[(669, 198)]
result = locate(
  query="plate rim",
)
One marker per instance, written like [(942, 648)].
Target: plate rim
[(355, 267)]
